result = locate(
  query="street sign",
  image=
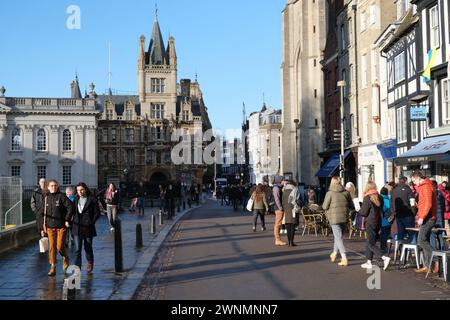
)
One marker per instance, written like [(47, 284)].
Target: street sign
[(419, 113)]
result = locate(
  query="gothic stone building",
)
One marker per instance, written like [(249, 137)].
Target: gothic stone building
[(135, 131)]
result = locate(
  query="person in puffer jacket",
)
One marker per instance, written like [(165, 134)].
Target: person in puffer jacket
[(372, 208)]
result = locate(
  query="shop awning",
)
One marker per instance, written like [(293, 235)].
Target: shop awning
[(330, 167), (430, 149), (388, 149)]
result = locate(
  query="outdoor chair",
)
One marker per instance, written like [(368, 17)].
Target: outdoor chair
[(311, 220), (442, 266)]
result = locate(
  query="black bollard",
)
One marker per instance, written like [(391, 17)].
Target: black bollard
[(153, 224), (184, 205), (161, 218), (139, 242), (178, 205), (118, 257)]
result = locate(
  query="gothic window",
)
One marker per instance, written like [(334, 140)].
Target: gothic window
[(16, 140), (157, 111), (129, 114), (67, 140), (158, 85), (109, 114), (185, 115), (41, 140)]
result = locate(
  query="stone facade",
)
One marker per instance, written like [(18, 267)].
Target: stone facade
[(136, 131), (50, 138), (304, 37)]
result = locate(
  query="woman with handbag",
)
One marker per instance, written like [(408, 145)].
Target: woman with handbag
[(337, 205), (58, 212), (83, 226), (260, 207)]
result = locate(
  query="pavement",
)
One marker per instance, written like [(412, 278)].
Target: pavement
[(23, 271), (213, 254)]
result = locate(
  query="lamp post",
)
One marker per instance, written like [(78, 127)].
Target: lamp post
[(342, 84), (297, 126)]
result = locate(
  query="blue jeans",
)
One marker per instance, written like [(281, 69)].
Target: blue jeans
[(402, 224), (87, 248), (141, 204), (338, 230)]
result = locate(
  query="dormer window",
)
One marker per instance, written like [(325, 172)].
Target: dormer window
[(109, 114), (185, 115), (129, 114)]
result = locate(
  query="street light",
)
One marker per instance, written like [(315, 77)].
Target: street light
[(297, 125), (342, 85)]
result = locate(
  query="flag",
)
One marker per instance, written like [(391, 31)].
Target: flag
[(427, 73)]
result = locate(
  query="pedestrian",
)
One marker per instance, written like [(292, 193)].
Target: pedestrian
[(58, 211), (71, 196), (134, 201), (444, 189), (260, 207), (83, 225), (279, 212), (372, 209), (386, 220), (37, 205), (170, 200), (162, 200), (312, 197), (402, 199), (438, 234), (141, 194), (291, 204), (112, 202), (337, 205), (426, 216), (350, 187)]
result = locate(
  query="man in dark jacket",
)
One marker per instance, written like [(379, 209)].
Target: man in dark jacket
[(170, 200), (401, 208), (59, 212), (37, 205), (83, 224)]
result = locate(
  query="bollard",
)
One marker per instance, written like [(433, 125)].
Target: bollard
[(184, 205), (178, 205), (118, 257), (153, 224), (139, 242), (161, 218)]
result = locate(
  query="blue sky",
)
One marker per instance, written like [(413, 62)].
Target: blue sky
[(235, 46)]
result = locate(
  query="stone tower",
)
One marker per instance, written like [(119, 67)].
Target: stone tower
[(157, 75)]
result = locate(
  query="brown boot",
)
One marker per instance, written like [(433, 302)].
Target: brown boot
[(333, 257), (423, 270), (280, 243), (52, 271), (65, 263), (343, 263), (90, 267)]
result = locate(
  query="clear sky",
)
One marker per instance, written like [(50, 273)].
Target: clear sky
[(235, 46)]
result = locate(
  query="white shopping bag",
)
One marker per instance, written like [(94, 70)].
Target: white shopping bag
[(43, 245)]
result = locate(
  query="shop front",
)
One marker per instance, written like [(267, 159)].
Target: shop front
[(432, 156)]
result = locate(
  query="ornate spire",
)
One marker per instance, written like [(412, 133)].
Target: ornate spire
[(75, 88), (156, 50)]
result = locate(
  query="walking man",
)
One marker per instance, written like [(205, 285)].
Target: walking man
[(37, 205), (279, 213), (426, 215)]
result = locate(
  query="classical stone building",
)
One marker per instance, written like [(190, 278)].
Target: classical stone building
[(135, 131), (49, 138), (304, 31)]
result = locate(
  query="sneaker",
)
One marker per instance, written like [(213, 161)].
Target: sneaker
[(263, 229), (386, 262), (112, 229), (366, 265), (254, 229)]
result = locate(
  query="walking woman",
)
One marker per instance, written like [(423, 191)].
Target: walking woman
[(83, 226), (372, 208), (291, 205), (58, 211), (112, 202), (337, 205), (260, 207)]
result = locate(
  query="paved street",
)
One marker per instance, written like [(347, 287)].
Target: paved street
[(23, 272), (213, 254)]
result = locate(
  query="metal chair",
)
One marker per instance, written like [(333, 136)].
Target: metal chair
[(397, 244), (406, 248), (440, 255), (311, 220)]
